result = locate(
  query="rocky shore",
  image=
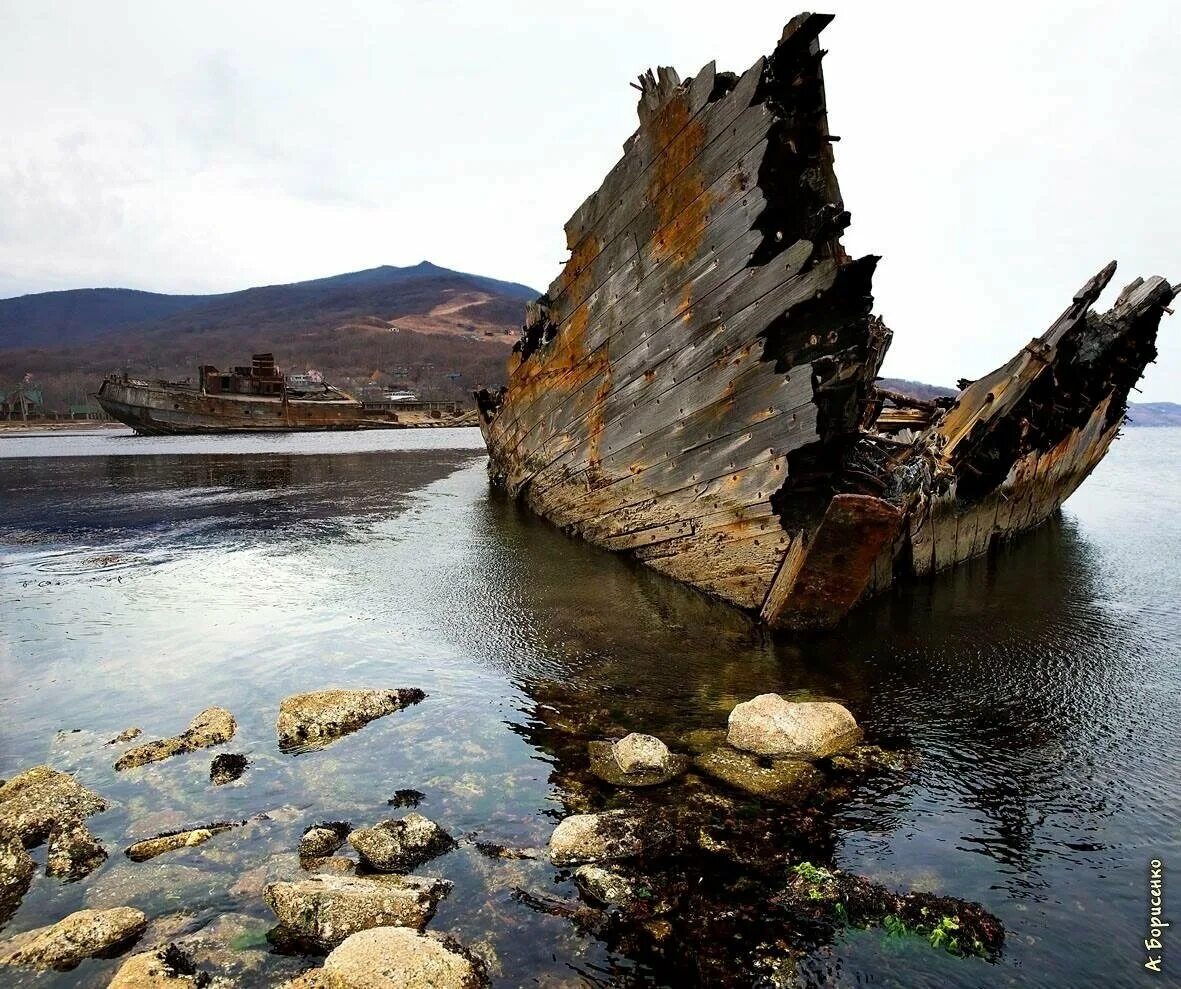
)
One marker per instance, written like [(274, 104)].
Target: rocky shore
[(669, 847)]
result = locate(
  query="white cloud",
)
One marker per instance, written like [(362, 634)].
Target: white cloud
[(995, 156)]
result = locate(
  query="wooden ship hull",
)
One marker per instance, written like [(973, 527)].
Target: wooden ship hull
[(697, 387)]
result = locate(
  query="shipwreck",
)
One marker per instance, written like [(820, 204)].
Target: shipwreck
[(258, 398), (697, 387)]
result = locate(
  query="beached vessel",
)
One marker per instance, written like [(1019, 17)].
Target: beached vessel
[(697, 387), (256, 399)]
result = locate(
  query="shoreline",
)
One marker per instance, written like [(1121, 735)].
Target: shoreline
[(40, 428)]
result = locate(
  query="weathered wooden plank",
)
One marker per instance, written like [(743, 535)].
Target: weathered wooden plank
[(759, 515), (669, 288), (731, 245), (710, 404), (682, 133), (697, 341), (640, 150), (728, 463)]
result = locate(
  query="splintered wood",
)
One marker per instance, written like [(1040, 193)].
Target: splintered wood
[(696, 388)]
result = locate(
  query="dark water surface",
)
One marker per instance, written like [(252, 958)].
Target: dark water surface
[(142, 580)]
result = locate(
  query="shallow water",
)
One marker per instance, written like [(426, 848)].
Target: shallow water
[(142, 580)]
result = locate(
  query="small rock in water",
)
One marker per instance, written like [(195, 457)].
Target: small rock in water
[(605, 886), (73, 852), (37, 802), (489, 849), (16, 873), (871, 759), (613, 834), (396, 958), (394, 846), (327, 909), (636, 753), (323, 839), (149, 848), (126, 735), (213, 726), (227, 767), (406, 798), (81, 935), (649, 766), (313, 720), (782, 780), (42, 804), (169, 967), (772, 726)]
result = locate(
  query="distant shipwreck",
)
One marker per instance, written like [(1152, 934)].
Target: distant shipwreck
[(259, 398), (697, 387)]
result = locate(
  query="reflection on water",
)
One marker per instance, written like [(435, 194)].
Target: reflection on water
[(138, 585)]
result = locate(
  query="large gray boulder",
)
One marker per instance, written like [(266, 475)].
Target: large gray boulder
[(319, 717), (400, 845), (328, 908), (213, 726), (772, 726), (395, 958), (81, 935)]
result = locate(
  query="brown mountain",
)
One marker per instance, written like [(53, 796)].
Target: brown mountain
[(443, 332)]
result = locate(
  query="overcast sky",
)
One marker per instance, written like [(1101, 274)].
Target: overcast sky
[(995, 155)]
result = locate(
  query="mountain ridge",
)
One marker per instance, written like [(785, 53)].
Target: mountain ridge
[(82, 314), (440, 331)]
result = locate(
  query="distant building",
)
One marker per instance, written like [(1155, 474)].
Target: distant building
[(22, 402), (89, 411)]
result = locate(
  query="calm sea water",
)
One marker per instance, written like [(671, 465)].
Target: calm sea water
[(142, 580)]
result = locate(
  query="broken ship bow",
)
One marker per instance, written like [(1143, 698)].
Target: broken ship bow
[(697, 387)]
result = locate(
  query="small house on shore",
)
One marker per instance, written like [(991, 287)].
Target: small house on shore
[(23, 402)]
